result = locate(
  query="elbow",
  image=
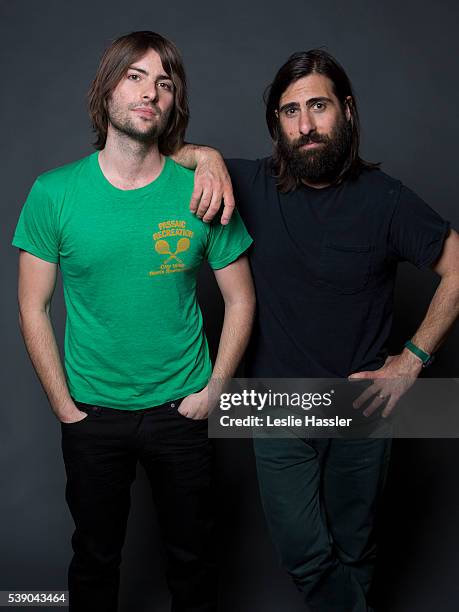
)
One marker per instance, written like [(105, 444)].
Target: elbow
[(252, 304), (22, 320), (251, 298), (247, 307), (246, 302), (29, 314)]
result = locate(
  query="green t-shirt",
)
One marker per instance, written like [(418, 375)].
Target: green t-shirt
[(129, 261)]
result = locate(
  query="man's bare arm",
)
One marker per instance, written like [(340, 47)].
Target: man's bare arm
[(37, 280), (212, 183), (235, 283), (444, 307), (236, 286), (441, 315)]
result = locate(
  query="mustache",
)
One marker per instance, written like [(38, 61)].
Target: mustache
[(312, 137)]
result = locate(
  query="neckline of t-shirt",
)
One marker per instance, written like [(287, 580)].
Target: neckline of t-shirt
[(310, 194), (130, 194)]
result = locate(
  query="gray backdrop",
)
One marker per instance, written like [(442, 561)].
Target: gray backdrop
[(402, 58)]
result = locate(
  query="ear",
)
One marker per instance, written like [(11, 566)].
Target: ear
[(348, 102), (276, 112)]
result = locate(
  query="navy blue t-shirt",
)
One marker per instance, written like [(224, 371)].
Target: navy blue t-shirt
[(324, 264)]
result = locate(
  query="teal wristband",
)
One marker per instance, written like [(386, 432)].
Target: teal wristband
[(423, 356)]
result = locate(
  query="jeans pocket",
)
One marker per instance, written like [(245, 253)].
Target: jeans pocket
[(174, 409), (90, 410), (76, 423)]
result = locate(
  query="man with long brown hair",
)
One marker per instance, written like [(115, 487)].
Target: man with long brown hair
[(138, 376), (329, 230)]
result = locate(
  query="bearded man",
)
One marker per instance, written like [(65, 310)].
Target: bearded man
[(329, 230)]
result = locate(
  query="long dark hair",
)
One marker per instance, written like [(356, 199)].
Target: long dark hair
[(297, 66), (113, 66)]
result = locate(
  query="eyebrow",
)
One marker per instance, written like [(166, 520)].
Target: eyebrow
[(289, 105), (161, 77), (310, 102)]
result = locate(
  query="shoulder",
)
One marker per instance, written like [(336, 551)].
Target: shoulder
[(57, 179), (375, 189), (180, 173), (250, 177), (248, 168), (376, 179)]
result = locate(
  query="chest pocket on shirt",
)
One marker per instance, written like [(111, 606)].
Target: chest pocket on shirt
[(345, 268)]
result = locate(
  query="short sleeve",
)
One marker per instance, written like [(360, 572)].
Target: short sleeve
[(417, 232), (36, 231), (226, 242)]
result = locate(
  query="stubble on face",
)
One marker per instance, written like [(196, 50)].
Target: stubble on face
[(121, 120), (320, 164)]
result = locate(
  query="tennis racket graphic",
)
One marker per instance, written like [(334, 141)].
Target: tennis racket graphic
[(162, 247)]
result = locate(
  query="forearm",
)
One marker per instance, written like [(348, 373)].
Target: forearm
[(237, 326), (189, 155), (40, 341), (400, 371), (441, 315)]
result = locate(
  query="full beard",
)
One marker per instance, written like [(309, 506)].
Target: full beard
[(321, 164), (125, 126)]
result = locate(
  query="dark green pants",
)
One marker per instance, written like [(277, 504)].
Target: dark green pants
[(320, 498)]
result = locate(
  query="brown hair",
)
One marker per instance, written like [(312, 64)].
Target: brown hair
[(297, 66), (113, 66)]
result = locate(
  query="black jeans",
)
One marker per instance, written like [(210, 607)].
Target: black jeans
[(100, 454), (321, 499)]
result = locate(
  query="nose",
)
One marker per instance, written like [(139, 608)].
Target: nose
[(150, 92), (306, 123)]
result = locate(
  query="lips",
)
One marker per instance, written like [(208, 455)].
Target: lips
[(309, 145), (145, 112)]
